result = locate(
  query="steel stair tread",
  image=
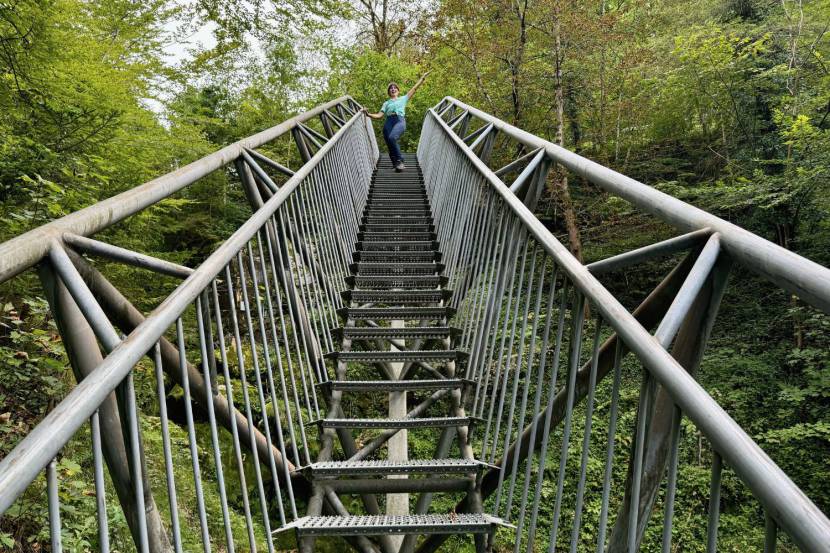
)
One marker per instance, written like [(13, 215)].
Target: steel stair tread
[(396, 296), (397, 201), (397, 213), (386, 258), (396, 313), (394, 235), (394, 385), (398, 356), (397, 244), (364, 267), (396, 232), (386, 220), (373, 525), (384, 467), (405, 423), (386, 282), (406, 333)]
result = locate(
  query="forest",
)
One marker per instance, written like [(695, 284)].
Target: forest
[(722, 103)]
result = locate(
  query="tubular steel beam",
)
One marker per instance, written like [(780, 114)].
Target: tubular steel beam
[(84, 355), (40, 446), (524, 177), (793, 510), (126, 256), (646, 253), (804, 278), (259, 173), (688, 348), (515, 164), (649, 313), (127, 318), (270, 162), (18, 254)]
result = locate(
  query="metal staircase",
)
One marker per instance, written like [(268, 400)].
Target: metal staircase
[(398, 363), (395, 278)]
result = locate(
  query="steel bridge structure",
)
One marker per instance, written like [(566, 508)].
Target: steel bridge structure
[(398, 361)]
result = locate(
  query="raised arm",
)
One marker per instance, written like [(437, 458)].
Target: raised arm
[(378, 115), (414, 88)]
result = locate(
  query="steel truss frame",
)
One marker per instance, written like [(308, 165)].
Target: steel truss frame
[(522, 306)]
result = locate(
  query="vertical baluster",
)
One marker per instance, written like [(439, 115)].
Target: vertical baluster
[(54, 506), (646, 393), (208, 371), (270, 372), (557, 351), (494, 313), (299, 306), (243, 284), (520, 421), (166, 449), (288, 356), (240, 359), (537, 404), (98, 473), (516, 377), (714, 504), (240, 464), (519, 312), (770, 533), (191, 437), (671, 484), (586, 440), (573, 368), (609, 455)]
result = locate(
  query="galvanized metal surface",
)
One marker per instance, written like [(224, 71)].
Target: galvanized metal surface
[(352, 148), (344, 239), (498, 261)]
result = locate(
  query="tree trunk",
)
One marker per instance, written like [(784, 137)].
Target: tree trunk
[(560, 175)]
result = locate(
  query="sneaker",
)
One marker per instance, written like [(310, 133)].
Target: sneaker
[(400, 166)]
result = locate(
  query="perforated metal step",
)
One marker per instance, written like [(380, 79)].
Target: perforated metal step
[(423, 422), (395, 297), (397, 202), (398, 356), (386, 282), (384, 467), (407, 190), (390, 212), (394, 385), (397, 245), (390, 333), (403, 219), (396, 313), (396, 225), (370, 208), (393, 191), (398, 194), (369, 525), (397, 258), (393, 186), (395, 268), (403, 234)]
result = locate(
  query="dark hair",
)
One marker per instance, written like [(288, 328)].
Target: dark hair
[(389, 87)]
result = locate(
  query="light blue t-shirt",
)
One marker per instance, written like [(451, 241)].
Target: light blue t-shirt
[(396, 106)]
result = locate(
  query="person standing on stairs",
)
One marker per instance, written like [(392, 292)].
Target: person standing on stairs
[(394, 109)]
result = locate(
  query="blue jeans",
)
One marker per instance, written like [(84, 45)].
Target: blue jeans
[(392, 130)]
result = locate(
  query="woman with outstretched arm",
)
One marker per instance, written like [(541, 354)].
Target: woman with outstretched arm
[(394, 109)]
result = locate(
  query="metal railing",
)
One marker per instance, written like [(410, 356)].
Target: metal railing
[(539, 365), (198, 415), (242, 337)]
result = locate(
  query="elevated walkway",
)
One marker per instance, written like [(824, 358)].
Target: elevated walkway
[(397, 363)]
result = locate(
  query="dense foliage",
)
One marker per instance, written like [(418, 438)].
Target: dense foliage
[(724, 103)]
